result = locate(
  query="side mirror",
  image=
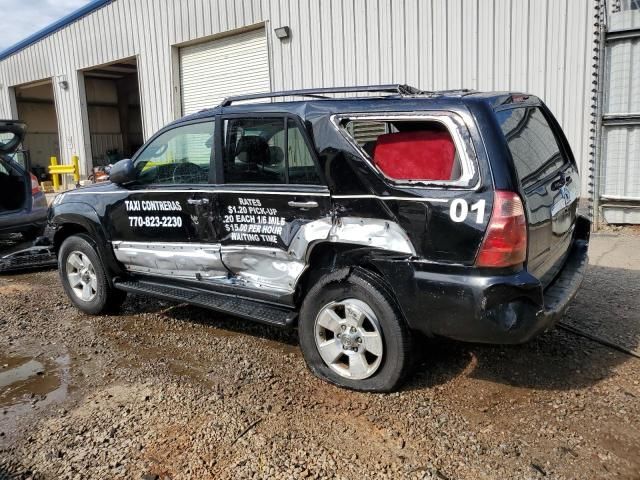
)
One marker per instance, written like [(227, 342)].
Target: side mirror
[(123, 172)]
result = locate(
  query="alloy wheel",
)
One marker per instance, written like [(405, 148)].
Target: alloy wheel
[(349, 339), (82, 276)]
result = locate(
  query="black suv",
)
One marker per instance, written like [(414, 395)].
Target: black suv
[(358, 220)]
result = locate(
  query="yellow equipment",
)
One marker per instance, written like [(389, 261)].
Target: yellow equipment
[(55, 170)]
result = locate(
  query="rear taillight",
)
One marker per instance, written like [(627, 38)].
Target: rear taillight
[(35, 186), (505, 242)]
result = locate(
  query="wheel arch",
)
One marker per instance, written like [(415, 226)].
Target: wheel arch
[(81, 218), (329, 262), (67, 230), (362, 280)]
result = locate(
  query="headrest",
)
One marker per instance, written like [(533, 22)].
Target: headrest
[(276, 155), (255, 150)]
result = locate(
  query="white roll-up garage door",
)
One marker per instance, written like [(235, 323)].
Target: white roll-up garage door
[(233, 65)]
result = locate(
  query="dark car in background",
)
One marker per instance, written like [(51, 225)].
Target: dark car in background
[(23, 206)]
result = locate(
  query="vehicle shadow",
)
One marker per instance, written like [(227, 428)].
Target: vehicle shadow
[(223, 322), (607, 306)]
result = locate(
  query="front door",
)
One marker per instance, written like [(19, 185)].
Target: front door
[(164, 225), (272, 190)]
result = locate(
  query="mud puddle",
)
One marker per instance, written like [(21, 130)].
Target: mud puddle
[(28, 384)]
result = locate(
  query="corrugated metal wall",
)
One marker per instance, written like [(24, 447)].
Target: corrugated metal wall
[(539, 46), (620, 170)]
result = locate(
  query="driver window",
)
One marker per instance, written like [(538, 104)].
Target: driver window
[(181, 155)]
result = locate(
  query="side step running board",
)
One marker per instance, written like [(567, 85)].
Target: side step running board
[(241, 307)]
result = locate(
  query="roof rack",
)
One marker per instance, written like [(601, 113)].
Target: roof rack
[(320, 92)]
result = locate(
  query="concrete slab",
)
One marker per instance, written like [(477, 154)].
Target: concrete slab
[(608, 304), (615, 250)]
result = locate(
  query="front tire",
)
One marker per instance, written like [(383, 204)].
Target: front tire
[(352, 334), (84, 278)]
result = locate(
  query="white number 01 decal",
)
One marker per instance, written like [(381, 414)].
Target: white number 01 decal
[(459, 210)]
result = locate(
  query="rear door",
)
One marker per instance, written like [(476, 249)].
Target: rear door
[(549, 182), (272, 187)]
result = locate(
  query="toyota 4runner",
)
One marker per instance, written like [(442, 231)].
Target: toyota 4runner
[(359, 220)]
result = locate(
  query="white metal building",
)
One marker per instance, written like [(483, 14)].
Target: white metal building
[(108, 76)]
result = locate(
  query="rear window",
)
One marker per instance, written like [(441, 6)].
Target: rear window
[(533, 146), (6, 138), (408, 150)]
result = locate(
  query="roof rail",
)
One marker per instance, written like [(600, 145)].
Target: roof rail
[(319, 92)]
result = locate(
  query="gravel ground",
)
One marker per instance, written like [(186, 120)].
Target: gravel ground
[(171, 391)]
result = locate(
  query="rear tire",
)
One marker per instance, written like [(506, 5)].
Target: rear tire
[(353, 334), (84, 278)]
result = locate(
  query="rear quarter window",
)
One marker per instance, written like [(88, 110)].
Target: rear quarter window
[(411, 151), (535, 151)]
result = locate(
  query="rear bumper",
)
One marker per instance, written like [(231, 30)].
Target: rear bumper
[(505, 309)]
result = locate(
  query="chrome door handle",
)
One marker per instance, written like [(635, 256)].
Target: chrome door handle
[(198, 201), (310, 204)]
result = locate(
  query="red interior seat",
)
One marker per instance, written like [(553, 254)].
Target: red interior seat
[(420, 155)]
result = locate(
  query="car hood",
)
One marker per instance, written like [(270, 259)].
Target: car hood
[(11, 134)]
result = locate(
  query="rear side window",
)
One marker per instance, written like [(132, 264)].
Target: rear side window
[(300, 162), (533, 146), (8, 141), (267, 150), (408, 150), (6, 138)]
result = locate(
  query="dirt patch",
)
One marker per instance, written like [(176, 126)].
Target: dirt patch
[(8, 288), (174, 391)]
